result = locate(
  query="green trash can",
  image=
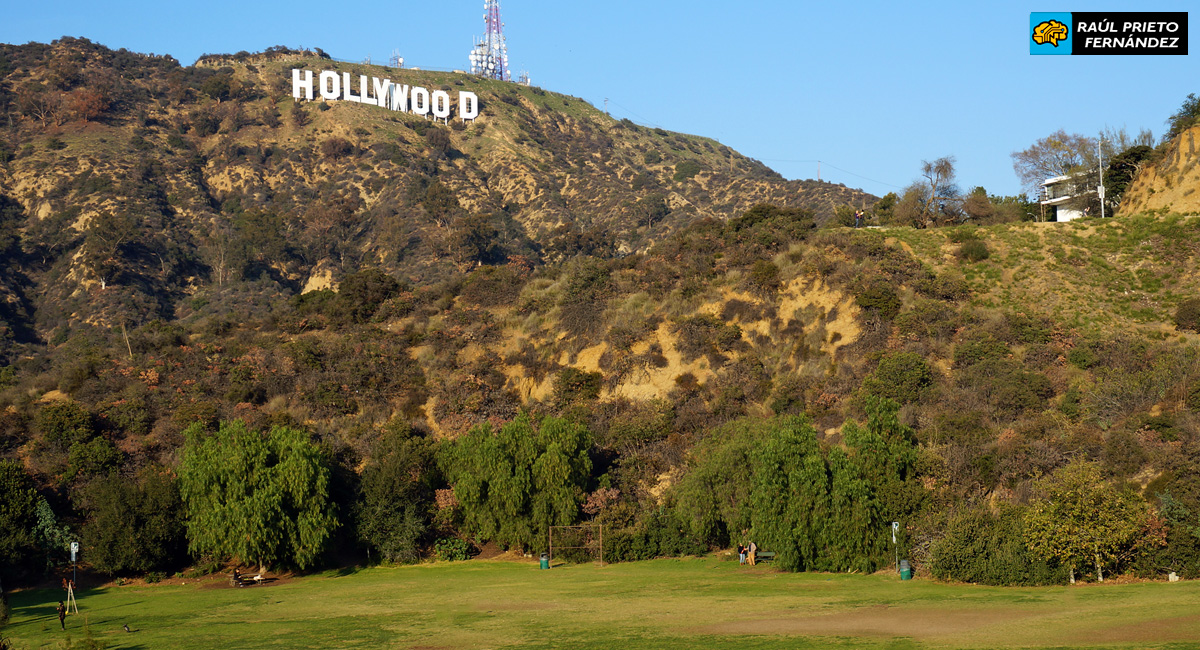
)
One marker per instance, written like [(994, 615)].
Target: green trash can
[(545, 563), (905, 570)]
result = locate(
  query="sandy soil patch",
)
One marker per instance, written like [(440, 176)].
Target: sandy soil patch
[(878, 621)]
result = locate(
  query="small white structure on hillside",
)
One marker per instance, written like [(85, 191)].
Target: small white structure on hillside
[(1061, 194)]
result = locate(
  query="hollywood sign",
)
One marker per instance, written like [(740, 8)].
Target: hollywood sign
[(382, 92)]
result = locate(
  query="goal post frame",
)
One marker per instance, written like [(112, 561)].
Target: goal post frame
[(598, 527)]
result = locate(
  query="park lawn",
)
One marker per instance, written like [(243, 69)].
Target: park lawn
[(684, 603)]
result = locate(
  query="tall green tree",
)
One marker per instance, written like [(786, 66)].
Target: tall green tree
[(396, 502), (790, 494), (133, 525), (513, 484), (259, 497), (832, 511), (18, 516), (714, 495), (1080, 520)]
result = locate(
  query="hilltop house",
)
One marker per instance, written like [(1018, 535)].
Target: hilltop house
[(1062, 196)]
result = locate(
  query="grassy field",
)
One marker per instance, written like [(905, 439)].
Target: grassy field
[(689, 603)]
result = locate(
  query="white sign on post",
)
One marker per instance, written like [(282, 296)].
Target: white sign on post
[(74, 550), (895, 529)]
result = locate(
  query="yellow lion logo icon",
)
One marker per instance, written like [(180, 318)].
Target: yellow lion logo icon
[(1050, 32)]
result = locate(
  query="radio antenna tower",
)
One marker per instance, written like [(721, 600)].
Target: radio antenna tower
[(489, 57)]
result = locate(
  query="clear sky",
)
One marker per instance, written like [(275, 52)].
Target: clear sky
[(869, 88)]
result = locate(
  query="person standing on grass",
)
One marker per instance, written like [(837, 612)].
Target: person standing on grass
[(62, 614), (858, 218), (741, 554), (753, 551)]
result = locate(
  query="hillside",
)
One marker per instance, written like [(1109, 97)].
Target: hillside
[(423, 300), (1171, 182), (135, 175)]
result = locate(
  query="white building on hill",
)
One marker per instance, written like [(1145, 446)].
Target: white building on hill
[(1061, 196)]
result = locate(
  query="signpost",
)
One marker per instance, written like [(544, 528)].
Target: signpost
[(71, 604), (896, 529)]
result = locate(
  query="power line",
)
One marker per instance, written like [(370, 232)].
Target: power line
[(627, 110), (829, 164)]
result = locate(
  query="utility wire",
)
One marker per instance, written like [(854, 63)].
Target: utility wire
[(829, 164)]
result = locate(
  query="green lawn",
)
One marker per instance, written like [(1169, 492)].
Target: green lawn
[(690, 603)]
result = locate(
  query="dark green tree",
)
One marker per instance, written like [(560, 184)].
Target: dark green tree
[(714, 495), (1187, 116), (134, 525), (260, 497), (18, 516), (396, 502), (361, 293)]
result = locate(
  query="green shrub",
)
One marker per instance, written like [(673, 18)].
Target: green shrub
[(1006, 386), (451, 549), (663, 533), (1071, 403), (974, 350), (707, 335), (986, 548), (65, 423), (395, 508), (1187, 315), (880, 297), (944, 286), (764, 277), (1081, 357), (900, 376), (973, 250), (1027, 329), (686, 170), (97, 456), (652, 157), (928, 319), (573, 384), (963, 234), (155, 576)]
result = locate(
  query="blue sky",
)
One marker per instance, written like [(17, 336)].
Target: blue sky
[(869, 88)]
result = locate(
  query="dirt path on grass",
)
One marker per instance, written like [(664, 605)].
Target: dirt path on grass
[(878, 621), (1003, 626)]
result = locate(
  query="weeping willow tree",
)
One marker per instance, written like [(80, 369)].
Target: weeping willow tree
[(513, 484), (257, 497), (830, 510)]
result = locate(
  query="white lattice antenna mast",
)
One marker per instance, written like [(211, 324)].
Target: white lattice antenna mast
[(489, 57)]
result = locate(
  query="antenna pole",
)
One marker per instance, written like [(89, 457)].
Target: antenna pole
[(489, 57)]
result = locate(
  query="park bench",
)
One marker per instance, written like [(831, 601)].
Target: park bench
[(243, 580), (764, 556)]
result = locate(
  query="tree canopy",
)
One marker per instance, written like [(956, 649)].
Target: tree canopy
[(1081, 520), (513, 484), (256, 496)]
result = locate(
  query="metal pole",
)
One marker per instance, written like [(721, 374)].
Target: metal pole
[(1100, 155)]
